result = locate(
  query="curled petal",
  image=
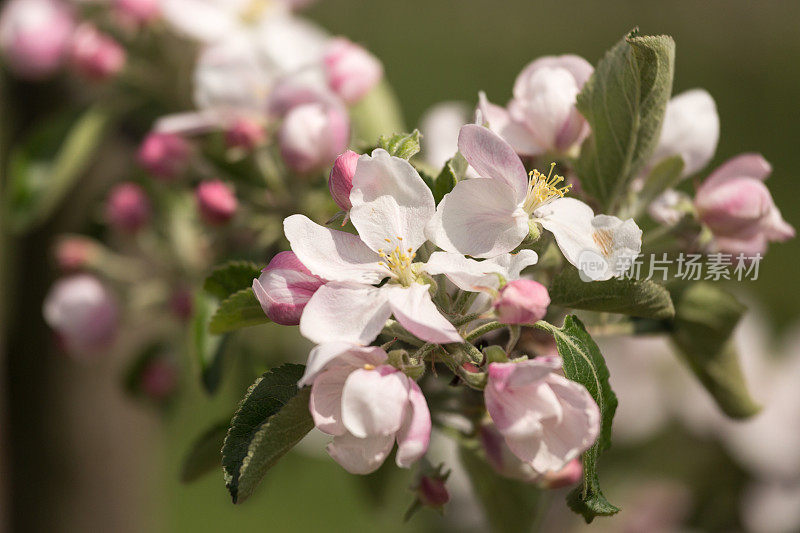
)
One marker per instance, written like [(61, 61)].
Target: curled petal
[(494, 158), (415, 435), (745, 165), (413, 308)]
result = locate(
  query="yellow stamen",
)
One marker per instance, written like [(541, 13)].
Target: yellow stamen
[(542, 189), (369, 367)]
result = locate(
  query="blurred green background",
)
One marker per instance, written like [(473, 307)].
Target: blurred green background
[(746, 54)]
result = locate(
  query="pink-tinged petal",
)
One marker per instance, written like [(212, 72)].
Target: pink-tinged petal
[(499, 121), (494, 158), (360, 456), (374, 401), (502, 375), (776, 228), (389, 200), (580, 69), (734, 206), (690, 130), (749, 245), (331, 254), (749, 165), (344, 354), (345, 311), (479, 217), (325, 402), (415, 435), (284, 288), (413, 308), (570, 222)]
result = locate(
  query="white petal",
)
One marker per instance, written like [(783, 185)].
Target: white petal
[(339, 354), (570, 222), (500, 122), (493, 158), (439, 126), (413, 308), (331, 254), (374, 401), (360, 456), (415, 435), (345, 311), (479, 217), (690, 130), (325, 402), (467, 274), (390, 200), (512, 265)]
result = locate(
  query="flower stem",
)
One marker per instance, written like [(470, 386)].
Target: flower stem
[(482, 330)]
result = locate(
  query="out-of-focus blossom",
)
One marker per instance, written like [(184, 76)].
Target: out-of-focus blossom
[(439, 127), (541, 116), (159, 379), (690, 130), (351, 70), (312, 135), (96, 55), (490, 216), (127, 207), (391, 206), (138, 11), (522, 301), (340, 181), (83, 313), (74, 252), (216, 202), (772, 507), (670, 207), (245, 133), (35, 36), (284, 288), (546, 419), (738, 208), (212, 20), (366, 405), (165, 155)]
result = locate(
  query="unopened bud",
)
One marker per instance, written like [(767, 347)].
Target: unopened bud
[(127, 207), (284, 288), (340, 182), (165, 155), (216, 202), (159, 378), (312, 135), (74, 252), (351, 70), (522, 301), (137, 11), (96, 55), (245, 134)]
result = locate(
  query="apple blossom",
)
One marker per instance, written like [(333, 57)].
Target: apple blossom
[(439, 126), (138, 11), (521, 301), (491, 215), (216, 202), (284, 288), (340, 181), (351, 70), (35, 36), (165, 155), (127, 208), (311, 136), (96, 55), (541, 116), (212, 20), (738, 208), (83, 313), (545, 419), (74, 252), (245, 133), (366, 405), (390, 207)]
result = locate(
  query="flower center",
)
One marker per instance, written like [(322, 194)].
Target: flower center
[(398, 262), (254, 11), (542, 189)]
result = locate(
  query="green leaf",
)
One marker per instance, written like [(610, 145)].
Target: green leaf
[(231, 277), (510, 506), (203, 455), (239, 310), (404, 145), (271, 419), (645, 298), (705, 318), (584, 364), (378, 113), (44, 169), (446, 179), (666, 174), (209, 350), (624, 103)]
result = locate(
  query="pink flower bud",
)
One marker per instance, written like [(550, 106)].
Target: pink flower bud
[(83, 313), (216, 201), (738, 208), (158, 379), (127, 207), (312, 135), (522, 301), (180, 303), (284, 288), (245, 134), (352, 71), (74, 252), (432, 492), (95, 55), (35, 36), (340, 181), (569, 475), (165, 155), (137, 11)]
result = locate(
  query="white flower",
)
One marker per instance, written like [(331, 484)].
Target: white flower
[(489, 216), (391, 206)]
